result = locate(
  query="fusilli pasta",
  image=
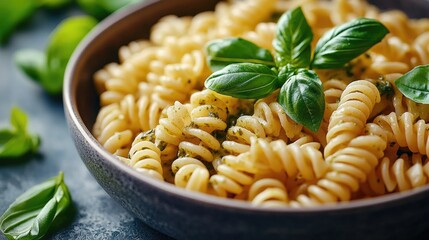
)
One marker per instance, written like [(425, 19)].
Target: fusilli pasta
[(157, 117)]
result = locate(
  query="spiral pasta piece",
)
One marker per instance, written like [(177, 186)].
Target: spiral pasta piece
[(145, 157), (111, 129), (304, 160), (115, 81), (208, 114), (268, 192), (191, 174), (233, 175), (170, 128), (353, 149), (400, 175), (406, 131), (348, 121)]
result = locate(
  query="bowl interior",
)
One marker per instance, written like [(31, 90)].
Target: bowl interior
[(101, 47)]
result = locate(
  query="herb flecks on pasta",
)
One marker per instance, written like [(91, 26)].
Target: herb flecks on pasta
[(300, 128)]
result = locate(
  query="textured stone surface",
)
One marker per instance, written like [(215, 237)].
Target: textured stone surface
[(98, 216)]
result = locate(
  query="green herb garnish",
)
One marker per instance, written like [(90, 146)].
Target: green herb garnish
[(34, 212), (342, 44), (221, 53), (293, 39), (415, 84), (244, 80), (16, 141), (48, 69), (302, 96), (301, 92)]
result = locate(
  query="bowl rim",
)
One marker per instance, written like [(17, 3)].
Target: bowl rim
[(70, 108)]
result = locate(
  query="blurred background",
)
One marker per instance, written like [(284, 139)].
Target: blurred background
[(25, 40)]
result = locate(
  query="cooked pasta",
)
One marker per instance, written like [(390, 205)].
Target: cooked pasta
[(268, 120), (401, 174), (268, 192), (157, 117), (145, 157)]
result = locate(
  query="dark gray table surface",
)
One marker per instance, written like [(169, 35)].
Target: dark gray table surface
[(98, 216)]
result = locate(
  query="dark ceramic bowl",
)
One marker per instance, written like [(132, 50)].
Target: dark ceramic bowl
[(188, 215)]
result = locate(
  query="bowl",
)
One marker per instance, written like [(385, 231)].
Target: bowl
[(188, 215)]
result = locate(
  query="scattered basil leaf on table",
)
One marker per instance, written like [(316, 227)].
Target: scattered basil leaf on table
[(32, 62), (221, 53), (103, 8), (48, 69), (303, 99), (16, 142), (243, 80), (293, 39), (33, 213), (347, 41), (301, 94), (13, 13), (415, 84)]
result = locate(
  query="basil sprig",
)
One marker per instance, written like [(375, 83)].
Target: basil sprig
[(301, 93), (415, 84), (16, 141), (48, 69), (33, 213)]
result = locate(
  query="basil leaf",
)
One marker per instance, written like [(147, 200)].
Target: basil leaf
[(103, 8), (31, 62), (32, 213), (303, 100), (293, 39), (415, 84), (6, 135), (243, 80), (13, 13), (347, 41), (18, 120), (19, 145), (17, 141), (221, 53), (63, 42), (15, 147)]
